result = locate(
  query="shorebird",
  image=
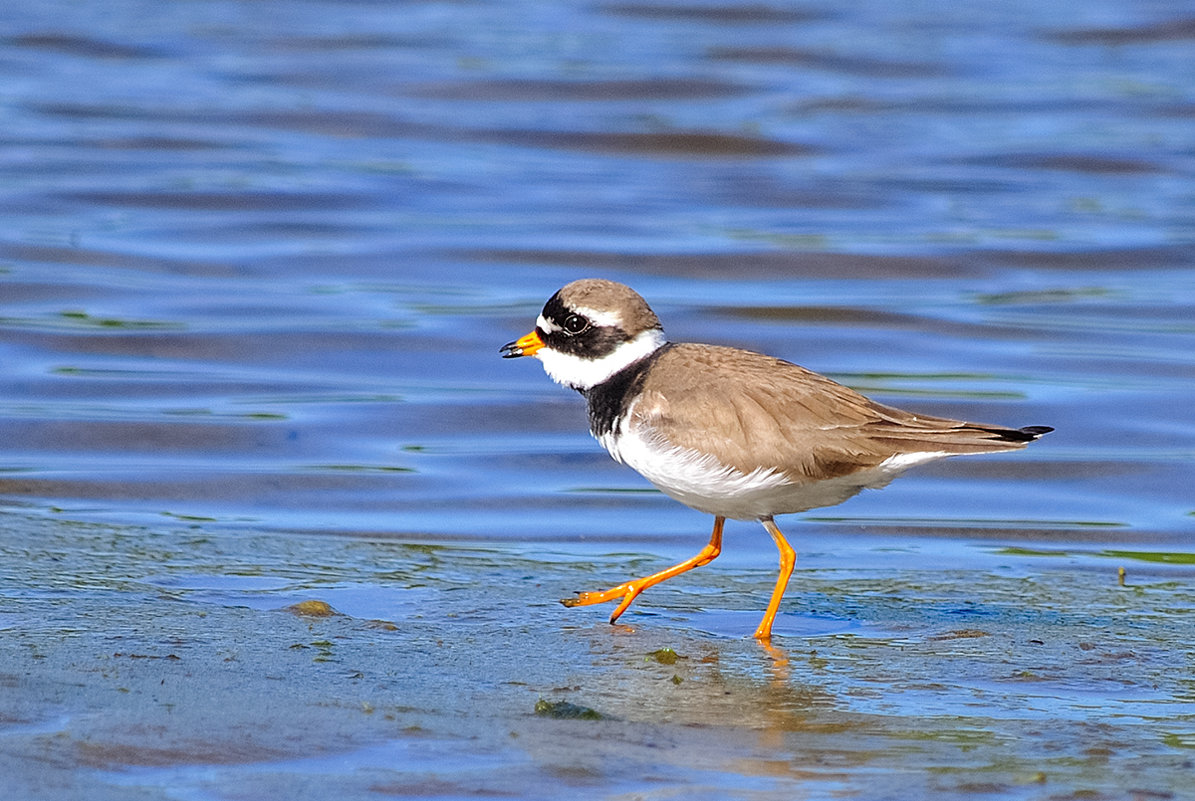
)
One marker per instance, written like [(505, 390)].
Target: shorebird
[(729, 432)]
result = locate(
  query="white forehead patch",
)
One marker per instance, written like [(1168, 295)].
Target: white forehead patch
[(546, 325)]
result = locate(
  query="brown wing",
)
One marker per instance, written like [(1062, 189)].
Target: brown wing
[(756, 411)]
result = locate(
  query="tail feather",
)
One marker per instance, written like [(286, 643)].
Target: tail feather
[(1033, 432), (1026, 434), (959, 438)]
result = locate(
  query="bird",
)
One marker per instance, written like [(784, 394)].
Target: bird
[(729, 432)]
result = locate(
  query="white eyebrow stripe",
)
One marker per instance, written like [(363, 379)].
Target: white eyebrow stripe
[(606, 319)]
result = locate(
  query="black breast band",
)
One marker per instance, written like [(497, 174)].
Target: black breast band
[(608, 401)]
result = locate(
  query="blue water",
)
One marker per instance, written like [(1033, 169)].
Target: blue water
[(257, 260), (258, 272)]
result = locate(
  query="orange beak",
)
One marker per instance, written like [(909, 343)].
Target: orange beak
[(526, 345)]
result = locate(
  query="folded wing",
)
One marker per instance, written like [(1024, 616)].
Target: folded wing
[(757, 411)]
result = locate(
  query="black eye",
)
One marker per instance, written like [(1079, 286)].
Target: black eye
[(574, 324)]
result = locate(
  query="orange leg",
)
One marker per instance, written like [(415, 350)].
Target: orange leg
[(630, 590), (788, 558)]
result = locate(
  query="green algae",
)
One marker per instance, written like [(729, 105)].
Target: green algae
[(565, 710), (664, 656)]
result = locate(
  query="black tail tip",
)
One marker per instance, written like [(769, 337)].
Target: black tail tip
[(1033, 432)]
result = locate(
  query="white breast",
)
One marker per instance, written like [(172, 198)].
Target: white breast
[(698, 479)]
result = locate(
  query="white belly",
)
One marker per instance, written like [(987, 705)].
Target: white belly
[(702, 482)]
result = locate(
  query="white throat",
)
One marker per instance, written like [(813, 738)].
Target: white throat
[(581, 373)]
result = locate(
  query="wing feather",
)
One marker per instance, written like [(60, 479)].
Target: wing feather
[(755, 411)]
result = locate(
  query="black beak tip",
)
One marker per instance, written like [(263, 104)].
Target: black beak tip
[(510, 351)]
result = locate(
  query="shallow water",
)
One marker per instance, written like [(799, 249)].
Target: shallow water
[(256, 264), (186, 662)]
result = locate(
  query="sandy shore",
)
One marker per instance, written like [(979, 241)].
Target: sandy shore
[(173, 663)]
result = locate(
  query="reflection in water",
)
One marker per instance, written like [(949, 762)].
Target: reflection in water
[(780, 671)]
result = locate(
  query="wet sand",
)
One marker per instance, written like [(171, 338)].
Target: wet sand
[(188, 662)]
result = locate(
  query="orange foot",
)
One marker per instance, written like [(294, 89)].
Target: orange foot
[(629, 591), (589, 598)]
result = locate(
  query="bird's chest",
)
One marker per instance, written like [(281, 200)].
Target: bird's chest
[(692, 477), (669, 468)]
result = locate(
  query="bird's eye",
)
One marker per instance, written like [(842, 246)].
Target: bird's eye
[(575, 324)]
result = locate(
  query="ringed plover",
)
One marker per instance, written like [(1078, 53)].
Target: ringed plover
[(729, 432)]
